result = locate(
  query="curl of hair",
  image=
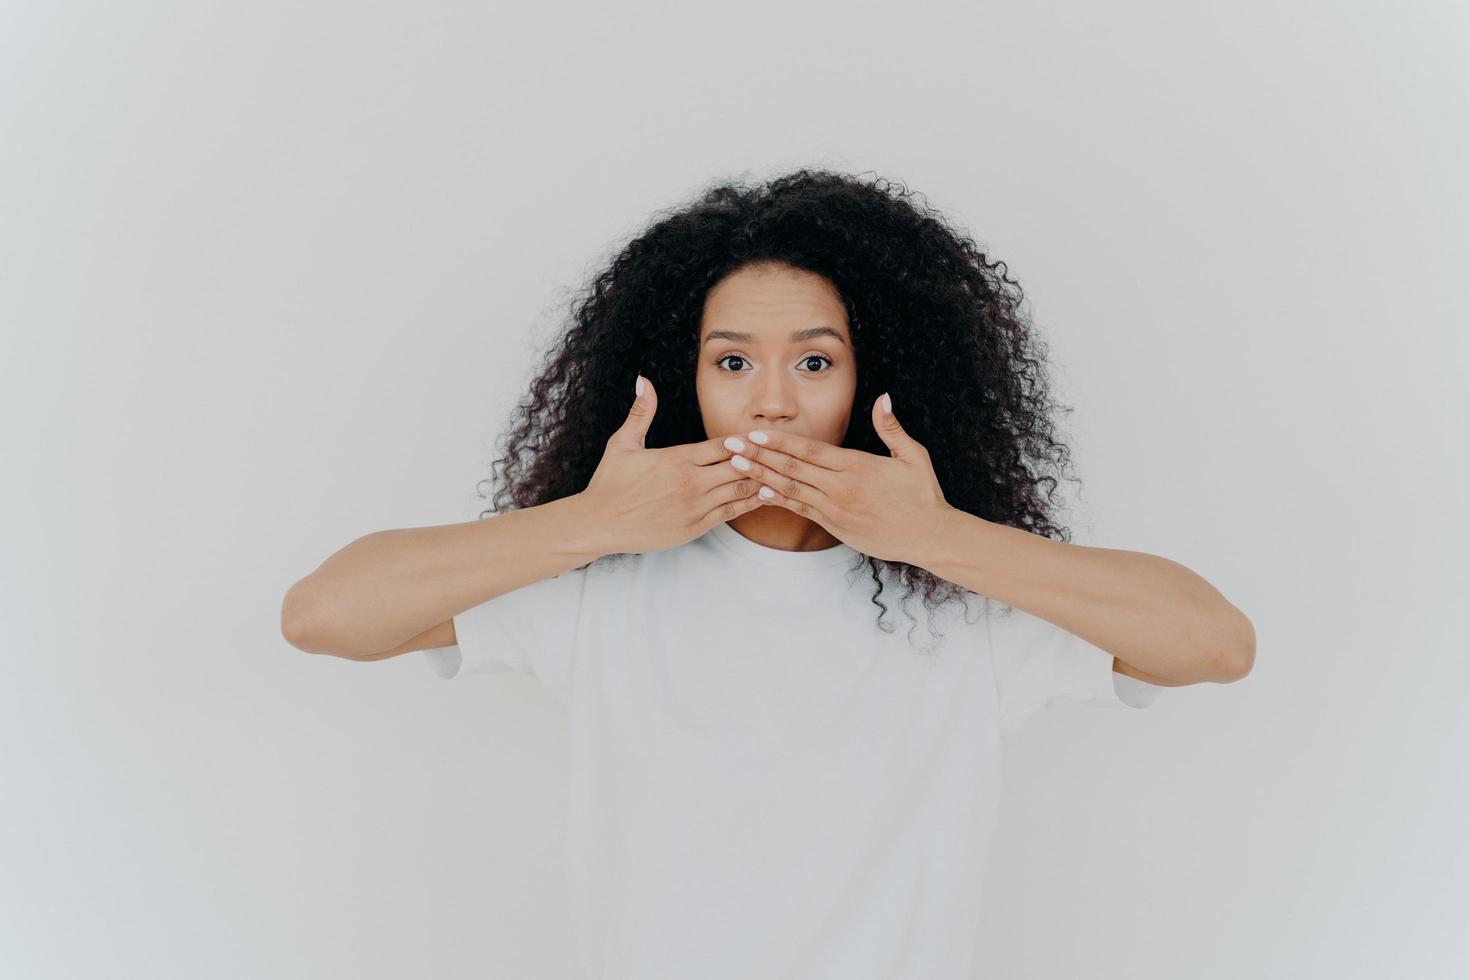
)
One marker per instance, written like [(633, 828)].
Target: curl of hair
[(932, 320)]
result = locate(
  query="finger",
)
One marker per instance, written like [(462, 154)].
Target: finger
[(736, 489), (640, 415), (712, 479), (711, 450), (782, 481), (813, 454), (805, 508), (793, 459), (728, 485), (900, 444), (733, 503)]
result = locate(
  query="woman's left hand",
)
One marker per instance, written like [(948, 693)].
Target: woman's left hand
[(890, 508)]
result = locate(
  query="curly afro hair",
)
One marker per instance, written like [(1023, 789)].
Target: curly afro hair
[(938, 325)]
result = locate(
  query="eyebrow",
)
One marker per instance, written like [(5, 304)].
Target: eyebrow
[(797, 336)]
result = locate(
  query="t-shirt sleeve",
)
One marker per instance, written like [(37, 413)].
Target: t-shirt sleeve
[(532, 629), (1037, 662)]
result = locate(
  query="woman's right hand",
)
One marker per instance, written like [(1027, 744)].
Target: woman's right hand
[(653, 499)]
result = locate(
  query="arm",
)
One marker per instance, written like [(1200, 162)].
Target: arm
[(1119, 667), (379, 594), (1153, 614)]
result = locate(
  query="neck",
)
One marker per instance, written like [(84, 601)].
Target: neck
[(775, 527)]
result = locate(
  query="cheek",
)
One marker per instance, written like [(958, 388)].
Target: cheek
[(712, 407), (842, 391)]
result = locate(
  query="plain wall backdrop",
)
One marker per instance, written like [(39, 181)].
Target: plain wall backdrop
[(272, 275)]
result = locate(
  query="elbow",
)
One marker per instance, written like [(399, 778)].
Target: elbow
[(307, 630), (294, 622), (293, 633), (1240, 648), (293, 630)]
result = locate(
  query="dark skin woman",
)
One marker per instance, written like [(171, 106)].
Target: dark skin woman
[(812, 360), (791, 308), (767, 393)]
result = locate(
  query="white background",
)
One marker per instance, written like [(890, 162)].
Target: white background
[(272, 274)]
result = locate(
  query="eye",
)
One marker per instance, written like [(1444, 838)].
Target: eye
[(739, 357)]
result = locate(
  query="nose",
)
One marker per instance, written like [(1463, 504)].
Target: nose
[(773, 398)]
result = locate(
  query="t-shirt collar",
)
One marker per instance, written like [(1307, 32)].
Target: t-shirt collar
[(840, 553)]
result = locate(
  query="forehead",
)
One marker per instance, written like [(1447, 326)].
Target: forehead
[(769, 302)]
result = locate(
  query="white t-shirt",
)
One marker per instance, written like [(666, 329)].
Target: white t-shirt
[(763, 782)]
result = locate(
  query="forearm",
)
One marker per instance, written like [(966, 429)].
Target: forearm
[(389, 586), (1150, 612)]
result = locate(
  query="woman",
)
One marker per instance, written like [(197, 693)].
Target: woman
[(768, 781)]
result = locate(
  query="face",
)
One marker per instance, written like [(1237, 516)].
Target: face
[(775, 353)]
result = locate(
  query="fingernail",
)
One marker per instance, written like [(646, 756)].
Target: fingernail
[(740, 462), (888, 404), (638, 385), (758, 437), (735, 444)]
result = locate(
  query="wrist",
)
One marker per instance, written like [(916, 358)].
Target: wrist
[(583, 532), (951, 525)]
